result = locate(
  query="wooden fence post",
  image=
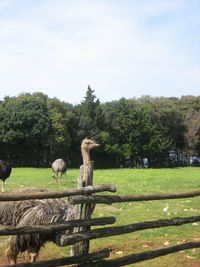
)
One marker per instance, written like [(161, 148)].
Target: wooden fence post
[(84, 211)]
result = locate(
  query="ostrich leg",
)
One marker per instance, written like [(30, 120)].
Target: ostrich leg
[(3, 186)]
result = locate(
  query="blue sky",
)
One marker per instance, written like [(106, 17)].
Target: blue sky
[(122, 48)]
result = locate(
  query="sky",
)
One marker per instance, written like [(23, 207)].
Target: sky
[(121, 48)]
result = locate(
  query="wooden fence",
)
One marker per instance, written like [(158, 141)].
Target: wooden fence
[(85, 200)]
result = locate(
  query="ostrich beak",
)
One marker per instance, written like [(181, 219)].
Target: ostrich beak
[(96, 145)]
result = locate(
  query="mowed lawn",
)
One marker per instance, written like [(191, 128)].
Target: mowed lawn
[(129, 181)]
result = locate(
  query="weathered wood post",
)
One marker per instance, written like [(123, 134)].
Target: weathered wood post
[(84, 211)]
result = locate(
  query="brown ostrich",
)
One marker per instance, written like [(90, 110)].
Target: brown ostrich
[(37, 212), (42, 212), (5, 171), (58, 166), (86, 146)]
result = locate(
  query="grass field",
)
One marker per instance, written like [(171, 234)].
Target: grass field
[(129, 181)]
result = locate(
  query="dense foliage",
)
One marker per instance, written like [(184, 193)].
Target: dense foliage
[(36, 129)]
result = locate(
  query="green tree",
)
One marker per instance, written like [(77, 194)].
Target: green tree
[(24, 127), (190, 107), (192, 135), (90, 115), (123, 126), (61, 116)]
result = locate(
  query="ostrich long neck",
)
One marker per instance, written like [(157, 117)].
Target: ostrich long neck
[(85, 155)]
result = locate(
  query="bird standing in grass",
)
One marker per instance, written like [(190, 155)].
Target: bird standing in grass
[(5, 171), (59, 166)]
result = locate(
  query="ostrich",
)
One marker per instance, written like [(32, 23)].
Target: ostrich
[(35, 212), (86, 146), (57, 166), (5, 170)]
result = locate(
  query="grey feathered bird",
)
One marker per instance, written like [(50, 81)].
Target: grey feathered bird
[(33, 212), (58, 166)]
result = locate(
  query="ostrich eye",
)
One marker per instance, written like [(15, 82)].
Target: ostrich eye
[(91, 143)]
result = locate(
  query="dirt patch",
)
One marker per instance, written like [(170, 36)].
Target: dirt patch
[(21, 259), (189, 262)]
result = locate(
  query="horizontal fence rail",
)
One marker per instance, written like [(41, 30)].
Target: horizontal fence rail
[(125, 229), (17, 196), (45, 229), (138, 257), (67, 260), (81, 196), (101, 199)]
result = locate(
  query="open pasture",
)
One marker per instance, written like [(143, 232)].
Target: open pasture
[(129, 181)]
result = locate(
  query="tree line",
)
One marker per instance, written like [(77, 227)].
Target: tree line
[(36, 129)]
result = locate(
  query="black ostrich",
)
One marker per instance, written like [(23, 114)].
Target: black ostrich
[(5, 170)]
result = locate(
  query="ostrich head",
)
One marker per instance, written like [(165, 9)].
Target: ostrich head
[(86, 146)]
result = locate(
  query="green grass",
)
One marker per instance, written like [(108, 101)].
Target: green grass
[(130, 181)]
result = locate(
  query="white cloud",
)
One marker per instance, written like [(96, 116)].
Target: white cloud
[(59, 47)]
